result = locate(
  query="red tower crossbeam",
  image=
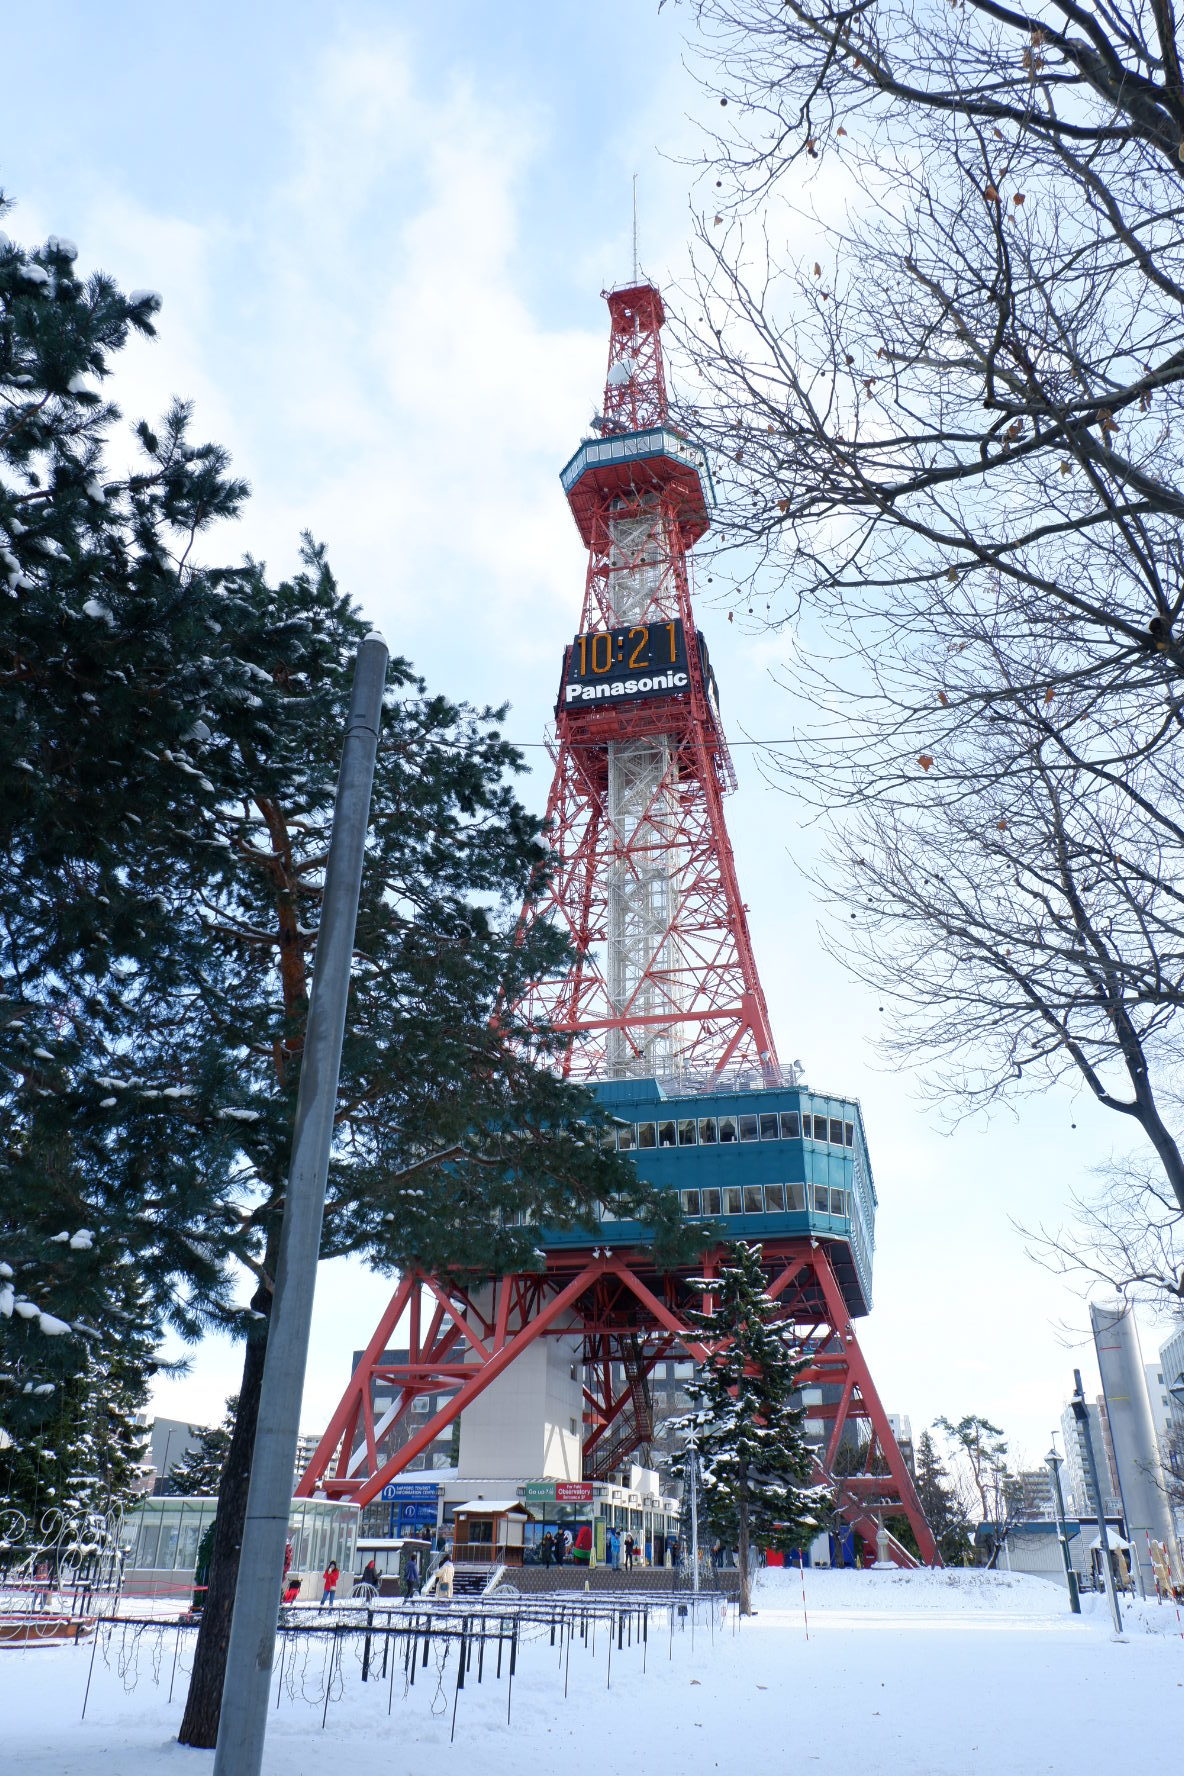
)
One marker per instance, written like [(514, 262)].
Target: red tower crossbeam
[(469, 1338)]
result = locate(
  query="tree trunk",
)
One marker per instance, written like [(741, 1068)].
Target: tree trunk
[(203, 1706), (742, 1552)]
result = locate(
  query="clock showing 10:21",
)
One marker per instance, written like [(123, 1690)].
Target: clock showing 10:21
[(645, 660)]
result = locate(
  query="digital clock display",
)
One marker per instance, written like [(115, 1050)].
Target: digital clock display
[(647, 660)]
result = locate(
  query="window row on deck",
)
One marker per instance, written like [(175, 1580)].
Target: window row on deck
[(712, 1131), (766, 1199)]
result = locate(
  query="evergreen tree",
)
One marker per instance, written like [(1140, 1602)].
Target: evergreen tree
[(79, 1466), (980, 1449), (199, 1471), (169, 745), (944, 1511), (455, 1139), (753, 1458)]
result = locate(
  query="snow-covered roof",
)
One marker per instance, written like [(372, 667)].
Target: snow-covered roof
[(491, 1507)]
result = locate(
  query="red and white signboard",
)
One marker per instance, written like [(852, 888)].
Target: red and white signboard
[(573, 1492)]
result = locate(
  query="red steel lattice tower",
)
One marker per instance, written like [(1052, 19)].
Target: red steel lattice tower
[(665, 984), (666, 1018)]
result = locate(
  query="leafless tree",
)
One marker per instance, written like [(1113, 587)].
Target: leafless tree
[(1128, 1237), (963, 388), (937, 347), (1021, 904)]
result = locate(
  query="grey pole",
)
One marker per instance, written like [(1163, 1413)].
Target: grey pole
[(1081, 1414), (694, 1465), (243, 1721), (1058, 1498)]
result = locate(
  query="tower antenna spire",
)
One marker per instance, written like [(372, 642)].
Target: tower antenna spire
[(635, 228)]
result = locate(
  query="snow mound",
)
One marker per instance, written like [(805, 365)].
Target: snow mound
[(943, 1590)]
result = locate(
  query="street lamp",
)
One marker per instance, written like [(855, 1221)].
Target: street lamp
[(163, 1480), (1058, 1498)]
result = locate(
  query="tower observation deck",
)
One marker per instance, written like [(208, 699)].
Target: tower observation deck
[(666, 1020)]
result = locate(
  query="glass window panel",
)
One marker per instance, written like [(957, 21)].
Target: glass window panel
[(690, 1202), (848, 1134), (711, 1202), (821, 1199), (727, 1128), (708, 1132), (836, 1130), (187, 1542), (795, 1197), (647, 1134), (791, 1127), (754, 1199), (838, 1203), (666, 1134), (626, 1139), (749, 1128), (775, 1197), (820, 1128), (686, 1133), (149, 1537), (733, 1201), (768, 1127)]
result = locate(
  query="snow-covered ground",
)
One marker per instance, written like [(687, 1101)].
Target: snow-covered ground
[(933, 1674)]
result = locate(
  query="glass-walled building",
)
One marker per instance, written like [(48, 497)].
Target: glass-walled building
[(163, 1535)]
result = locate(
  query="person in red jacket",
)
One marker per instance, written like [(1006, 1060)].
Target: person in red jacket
[(330, 1582)]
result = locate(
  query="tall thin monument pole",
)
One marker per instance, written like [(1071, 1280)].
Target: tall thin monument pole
[(243, 1722), (1093, 1482)]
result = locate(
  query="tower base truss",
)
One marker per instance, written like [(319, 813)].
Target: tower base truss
[(628, 1316)]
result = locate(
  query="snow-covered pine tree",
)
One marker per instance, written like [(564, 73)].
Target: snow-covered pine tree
[(170, 736), (76, 1464), (199, 1471), (753, 1457), (115, 650)]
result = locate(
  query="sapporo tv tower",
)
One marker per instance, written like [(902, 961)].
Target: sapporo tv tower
[(668, 1021)]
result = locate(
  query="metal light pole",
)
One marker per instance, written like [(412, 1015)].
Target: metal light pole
[(1058, 1500), (1081, 1414), (243, 1721), (694, 1466)]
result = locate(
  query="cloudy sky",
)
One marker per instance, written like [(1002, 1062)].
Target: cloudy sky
[(380, 232)]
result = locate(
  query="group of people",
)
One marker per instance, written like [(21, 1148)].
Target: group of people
[(368, 1584), (557, 1545)]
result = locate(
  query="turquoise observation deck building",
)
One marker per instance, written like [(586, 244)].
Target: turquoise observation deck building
[(765, 1164)]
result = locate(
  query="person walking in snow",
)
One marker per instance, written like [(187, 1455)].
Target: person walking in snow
[(561, 1541), (332, 1574), (410, 1577), (547, 1548), (630, 1551)]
